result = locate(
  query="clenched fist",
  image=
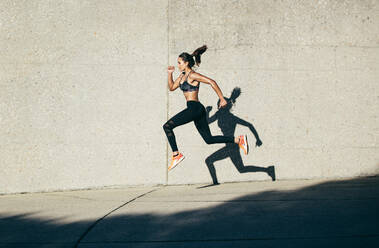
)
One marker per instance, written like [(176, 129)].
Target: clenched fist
[(170, 69)]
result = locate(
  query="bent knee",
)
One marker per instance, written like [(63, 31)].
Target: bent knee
[(208, 161), (166, 126), (169, 125)]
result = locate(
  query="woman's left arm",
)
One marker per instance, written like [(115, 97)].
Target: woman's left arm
[(201, 78)]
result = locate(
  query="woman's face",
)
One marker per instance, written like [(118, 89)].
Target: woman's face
[(181, 64)]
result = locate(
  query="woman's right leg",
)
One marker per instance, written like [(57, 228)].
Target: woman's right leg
[(180, 118), (203, 128)]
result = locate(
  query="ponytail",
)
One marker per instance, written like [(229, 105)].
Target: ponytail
[(197, 54)]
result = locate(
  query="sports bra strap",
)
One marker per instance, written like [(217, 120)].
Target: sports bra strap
[(188, 76)]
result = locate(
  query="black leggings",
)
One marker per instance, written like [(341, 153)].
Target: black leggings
[(195, 111)]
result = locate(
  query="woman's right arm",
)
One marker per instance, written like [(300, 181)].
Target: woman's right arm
[(171, 84)]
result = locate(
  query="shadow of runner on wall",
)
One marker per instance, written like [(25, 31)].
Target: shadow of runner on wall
[(228, 123)]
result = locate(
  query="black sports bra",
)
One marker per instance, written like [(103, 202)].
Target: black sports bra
[(185, 86)]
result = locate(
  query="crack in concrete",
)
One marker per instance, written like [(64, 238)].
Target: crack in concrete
[(97, 221)]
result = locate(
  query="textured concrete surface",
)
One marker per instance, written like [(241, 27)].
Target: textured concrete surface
[(308, 72), (57, 218), (303, 213), (82, 94), (83, 90)]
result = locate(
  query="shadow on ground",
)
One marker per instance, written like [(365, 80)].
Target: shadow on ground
[(341, 213)]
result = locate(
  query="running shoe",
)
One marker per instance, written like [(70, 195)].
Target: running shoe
[(243, 144), (175, 161)]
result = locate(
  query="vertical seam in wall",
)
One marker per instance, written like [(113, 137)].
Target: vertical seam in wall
[(335, 71), (167, 95)]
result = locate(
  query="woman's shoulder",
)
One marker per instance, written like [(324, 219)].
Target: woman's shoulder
[(200, 78), (195, 74)]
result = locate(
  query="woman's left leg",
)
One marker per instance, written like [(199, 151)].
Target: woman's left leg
[(179, 119)]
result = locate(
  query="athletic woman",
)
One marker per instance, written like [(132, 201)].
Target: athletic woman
[(195, 111)]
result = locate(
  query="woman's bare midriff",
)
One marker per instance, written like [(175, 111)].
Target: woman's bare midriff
[(191, 96)]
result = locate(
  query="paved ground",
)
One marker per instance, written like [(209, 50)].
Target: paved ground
[(309, 213)]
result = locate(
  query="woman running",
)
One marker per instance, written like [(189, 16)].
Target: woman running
[(195, 111)]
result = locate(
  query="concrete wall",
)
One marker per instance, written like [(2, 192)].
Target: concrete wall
[(83, 93)]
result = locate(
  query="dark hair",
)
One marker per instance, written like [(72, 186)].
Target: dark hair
[(189, 57)]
